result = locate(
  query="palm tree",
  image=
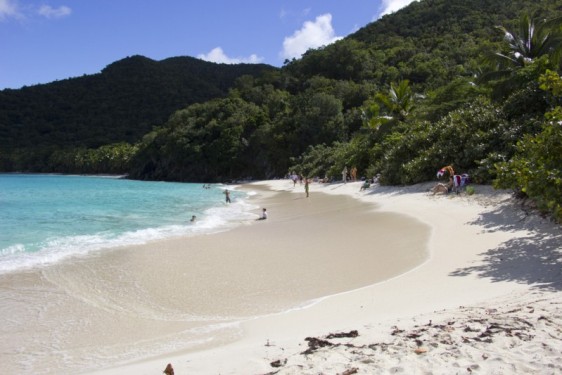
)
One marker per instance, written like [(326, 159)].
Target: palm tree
[(390, 107), (399, 101), (533, 39), (533, 48)]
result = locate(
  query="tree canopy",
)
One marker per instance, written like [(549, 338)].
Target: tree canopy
[(430, 85)]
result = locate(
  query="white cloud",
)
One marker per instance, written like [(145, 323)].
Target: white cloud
[(312, 35), (217, 55), (50, 12), (390, 6), (9, 8)]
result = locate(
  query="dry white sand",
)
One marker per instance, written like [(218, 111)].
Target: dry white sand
[(487, 300)]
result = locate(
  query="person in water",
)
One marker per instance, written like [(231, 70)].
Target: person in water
[(263, 215)]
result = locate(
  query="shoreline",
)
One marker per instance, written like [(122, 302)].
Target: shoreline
[(460, 265), (195, 293), (488, 260)]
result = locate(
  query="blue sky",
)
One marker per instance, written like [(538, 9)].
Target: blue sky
[(46, 40)]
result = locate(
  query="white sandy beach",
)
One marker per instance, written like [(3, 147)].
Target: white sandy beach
[(185, 294), (486, 299)]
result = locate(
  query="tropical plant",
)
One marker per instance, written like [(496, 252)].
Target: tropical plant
[(535, 170), (399, 100), (532, 40), (461, 138)]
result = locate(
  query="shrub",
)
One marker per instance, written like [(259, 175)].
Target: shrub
[(535, 169), (462, 138)]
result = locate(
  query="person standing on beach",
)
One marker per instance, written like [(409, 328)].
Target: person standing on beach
[(353, 174), (294, 177), (344, 174), (306, 186), (227, 195)]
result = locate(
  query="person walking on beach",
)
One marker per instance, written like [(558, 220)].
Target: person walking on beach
[(227, 195), (306, 186)]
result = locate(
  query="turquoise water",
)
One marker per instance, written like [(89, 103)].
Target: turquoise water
[(48, 218)]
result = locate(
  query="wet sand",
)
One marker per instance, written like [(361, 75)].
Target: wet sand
[(169, 297)]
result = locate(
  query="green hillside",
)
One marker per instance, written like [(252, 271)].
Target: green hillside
[(120, 104), (429, 42), (470, 83)]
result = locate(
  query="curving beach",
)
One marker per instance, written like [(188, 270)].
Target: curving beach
[(440, 284), (487, 299)]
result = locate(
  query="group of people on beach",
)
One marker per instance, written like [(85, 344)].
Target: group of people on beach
[(349, 175), (294, 177), (302, 179)]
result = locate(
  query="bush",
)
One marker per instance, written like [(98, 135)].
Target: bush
[(535, 169), (462, 138)]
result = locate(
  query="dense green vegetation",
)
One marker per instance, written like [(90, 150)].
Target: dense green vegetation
[(536, 168), (120, 104), (472, 83)]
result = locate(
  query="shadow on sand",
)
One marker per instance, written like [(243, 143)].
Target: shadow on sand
[(534, 259)]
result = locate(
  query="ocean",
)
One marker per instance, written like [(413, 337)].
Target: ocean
[(47, 218)]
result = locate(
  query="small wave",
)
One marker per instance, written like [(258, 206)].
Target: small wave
[(14, 249), (53, 250)]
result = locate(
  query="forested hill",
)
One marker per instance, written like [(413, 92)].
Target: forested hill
[(120, 104), (471, 83), (429, 42)]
